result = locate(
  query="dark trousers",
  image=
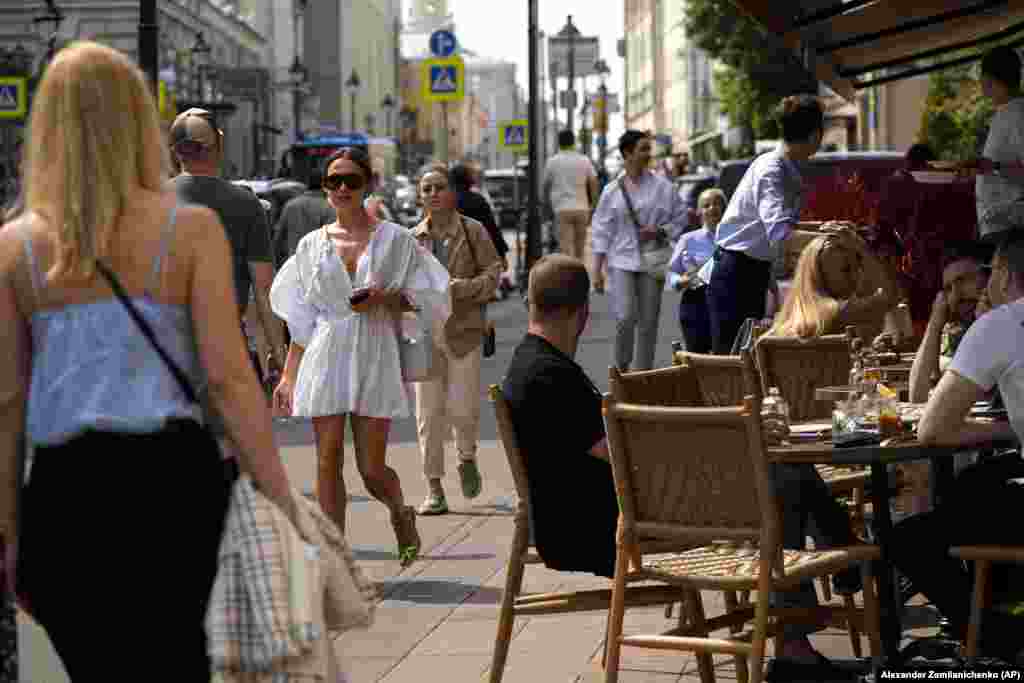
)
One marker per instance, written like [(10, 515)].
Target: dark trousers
[(695, 320), (736, 292), (980, 510), (118, 552), (808, 508)]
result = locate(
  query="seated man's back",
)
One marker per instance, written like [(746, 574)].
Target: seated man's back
[(556, 413)]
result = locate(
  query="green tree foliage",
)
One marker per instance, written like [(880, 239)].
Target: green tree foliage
[(742, 49), (956, 117)]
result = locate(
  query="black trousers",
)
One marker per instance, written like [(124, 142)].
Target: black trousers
[(118, 551), (980, 510), (736, 292), (695, 321)]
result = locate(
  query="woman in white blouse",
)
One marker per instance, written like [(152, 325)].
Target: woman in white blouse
[(340, 295)]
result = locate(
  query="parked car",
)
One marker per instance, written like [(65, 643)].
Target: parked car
[(689, 188), (500, 184)]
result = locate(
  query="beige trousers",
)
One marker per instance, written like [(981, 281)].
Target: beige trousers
[(573, 227), (446, 405)]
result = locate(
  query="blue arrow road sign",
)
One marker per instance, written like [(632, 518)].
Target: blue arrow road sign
[(442, 43)]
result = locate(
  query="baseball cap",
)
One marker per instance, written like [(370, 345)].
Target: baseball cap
[(196, 127)]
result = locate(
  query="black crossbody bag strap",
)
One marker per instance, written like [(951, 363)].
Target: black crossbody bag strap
[(147, 332), (629, 203)]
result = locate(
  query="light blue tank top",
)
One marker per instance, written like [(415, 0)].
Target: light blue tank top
[(93, 369)]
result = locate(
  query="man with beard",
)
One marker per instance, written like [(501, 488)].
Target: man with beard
[(963, 280)]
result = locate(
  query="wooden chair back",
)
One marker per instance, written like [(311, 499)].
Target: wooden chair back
[(672, 386), (723, 380), (691, 475), (507, 433), (799, 366)]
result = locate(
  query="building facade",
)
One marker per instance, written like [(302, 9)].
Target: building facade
[(343, 37), (188, 77), (669, 85)]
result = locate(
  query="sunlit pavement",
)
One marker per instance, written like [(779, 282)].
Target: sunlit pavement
[(438, 618)]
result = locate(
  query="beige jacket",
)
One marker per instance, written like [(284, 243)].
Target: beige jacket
[(474, 268)]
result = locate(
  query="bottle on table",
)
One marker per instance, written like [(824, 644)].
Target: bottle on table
[(775, 416)]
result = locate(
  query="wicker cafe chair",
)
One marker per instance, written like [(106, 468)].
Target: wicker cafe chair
[(983, 556), (723, 380), (514, 603), (675, 385), (798, 367), (713, 495)]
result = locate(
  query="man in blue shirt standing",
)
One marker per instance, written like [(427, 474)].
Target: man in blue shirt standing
[(762, 213)]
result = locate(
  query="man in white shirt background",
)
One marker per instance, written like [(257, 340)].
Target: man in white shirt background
[(1000, 179), (570, 189)]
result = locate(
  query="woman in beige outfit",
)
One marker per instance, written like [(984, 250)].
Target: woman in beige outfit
[(451, 403)]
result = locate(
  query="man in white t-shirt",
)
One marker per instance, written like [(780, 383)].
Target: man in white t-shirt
[(1000, 179), (570, 189), (973, 512)]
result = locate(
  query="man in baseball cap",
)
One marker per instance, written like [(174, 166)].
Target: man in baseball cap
[(198, 145), (194, 133)]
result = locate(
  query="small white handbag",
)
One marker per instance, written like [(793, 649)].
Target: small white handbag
[(416, 348)]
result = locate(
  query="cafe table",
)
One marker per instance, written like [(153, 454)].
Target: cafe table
[(878, 457)]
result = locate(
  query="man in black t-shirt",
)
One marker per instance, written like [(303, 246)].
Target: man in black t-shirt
[(198, 145), (556, 414)]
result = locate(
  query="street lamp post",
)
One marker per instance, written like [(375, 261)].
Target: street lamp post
[(149, 38), (200, 53), (298, 75), (570, 33), (601, 112), (388, 105), (352, 84), (54, 16)]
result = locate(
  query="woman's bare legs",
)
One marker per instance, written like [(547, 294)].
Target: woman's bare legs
[(330, 457), (371, 441)]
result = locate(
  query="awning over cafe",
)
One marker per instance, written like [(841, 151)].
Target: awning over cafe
[(855, 44)]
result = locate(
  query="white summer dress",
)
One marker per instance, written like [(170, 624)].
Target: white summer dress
[(351, 362)]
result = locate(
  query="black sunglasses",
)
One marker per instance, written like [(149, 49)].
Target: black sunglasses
[(352, 181)]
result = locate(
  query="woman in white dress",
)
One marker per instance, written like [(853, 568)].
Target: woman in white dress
[(340, 294)]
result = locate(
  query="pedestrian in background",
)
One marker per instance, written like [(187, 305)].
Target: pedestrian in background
[(637, 208), (122, 473), (450, 404), (692, 251), (340, 295), (761, 214), (198, 144), (300, 216), (472, 204), (570, 190)]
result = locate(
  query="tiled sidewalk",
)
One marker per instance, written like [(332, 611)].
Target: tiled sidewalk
[(438, 619)]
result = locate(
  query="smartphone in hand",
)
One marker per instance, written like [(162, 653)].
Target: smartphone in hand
[(359, 296)]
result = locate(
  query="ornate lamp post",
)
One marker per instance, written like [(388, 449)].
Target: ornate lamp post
[(601, 111), (352, 85), (52, 16), (200, 55), (388, 105), (299, 77)]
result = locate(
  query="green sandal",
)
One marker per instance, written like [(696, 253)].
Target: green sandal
[(408, 536)]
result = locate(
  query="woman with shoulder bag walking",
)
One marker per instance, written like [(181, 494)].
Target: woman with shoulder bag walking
[(341, 294), (635, 218), (124, 476), (451, 402)]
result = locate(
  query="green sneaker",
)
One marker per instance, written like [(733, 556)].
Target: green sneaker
[(434, 504), (469, 476)]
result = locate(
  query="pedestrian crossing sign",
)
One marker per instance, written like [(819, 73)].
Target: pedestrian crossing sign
[(444, 79), (13, 97), (514, 136)]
